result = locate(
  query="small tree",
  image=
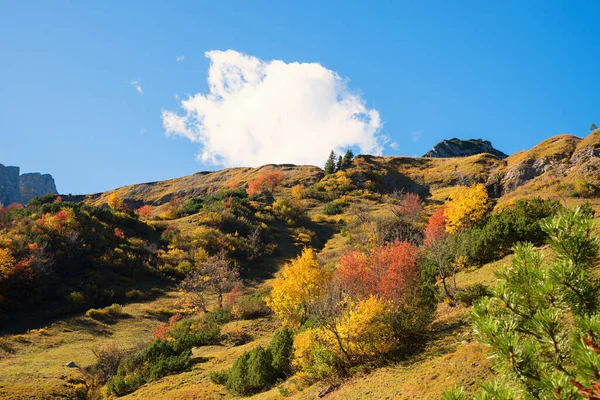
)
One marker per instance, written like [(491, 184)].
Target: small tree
[(340, 163), (114, 201), (543, 319), (215, 275), (330, 164), (468, 204), (593, 127), (144, 212), (440, 251), (295, 290)]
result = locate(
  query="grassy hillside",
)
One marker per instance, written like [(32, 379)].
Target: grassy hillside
[(190, 219)]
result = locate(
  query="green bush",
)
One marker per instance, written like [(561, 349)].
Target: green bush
[(472, 294), (332, 208), (251, 373), (218, 377), (281, 348), (218, 317), (161, 357), (259, 369), (493, 238)]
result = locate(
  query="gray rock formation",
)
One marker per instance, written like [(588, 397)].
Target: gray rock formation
[(15, 188), (463, 148), (9, 185), (36, 184)]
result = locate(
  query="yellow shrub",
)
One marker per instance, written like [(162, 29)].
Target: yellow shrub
[(298, 191), (466, 205)]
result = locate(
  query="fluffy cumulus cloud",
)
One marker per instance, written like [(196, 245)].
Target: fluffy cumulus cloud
[(259, 112)]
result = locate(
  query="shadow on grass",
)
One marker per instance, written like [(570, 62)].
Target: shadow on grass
[(87, 325), (266, 267), (200, 360)]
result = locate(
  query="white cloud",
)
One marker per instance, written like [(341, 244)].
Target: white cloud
[(416, 136), (142, 131), (137, 86), (258, 112), (180, 59)]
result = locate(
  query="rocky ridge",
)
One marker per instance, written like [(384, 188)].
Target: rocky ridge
[(17, 188), (463, 148)]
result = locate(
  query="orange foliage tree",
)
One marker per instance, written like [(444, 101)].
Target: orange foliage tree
[(389, 272), (265, 183), (144, 211)]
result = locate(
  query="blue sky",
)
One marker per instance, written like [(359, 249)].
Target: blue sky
[(513, 72)]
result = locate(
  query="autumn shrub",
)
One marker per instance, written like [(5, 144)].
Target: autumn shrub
[(76, 298), (250, 307), (312, 357), (135, 294), (113, 311), (583, 188)]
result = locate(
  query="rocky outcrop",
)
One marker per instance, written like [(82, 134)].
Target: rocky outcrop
[(36, 184), (15, 188), (9, 185), (463, 148)]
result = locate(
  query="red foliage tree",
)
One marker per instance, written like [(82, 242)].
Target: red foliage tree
[(264, 183), (410, 206), (389, 272), (144, 211), (436, 228)]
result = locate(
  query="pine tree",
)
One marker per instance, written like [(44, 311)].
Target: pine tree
[(339, 164), (330, 164), (543, 320), (593, 127), (347, 160)]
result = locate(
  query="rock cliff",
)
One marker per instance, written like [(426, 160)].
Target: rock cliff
[(16, 188)]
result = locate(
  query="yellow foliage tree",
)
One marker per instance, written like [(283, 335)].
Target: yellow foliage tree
[(114, 201), (7, 261), (466, 205), (300, 283)]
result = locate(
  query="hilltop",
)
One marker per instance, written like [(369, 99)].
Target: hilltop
[(552, 168), (463, 148)]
